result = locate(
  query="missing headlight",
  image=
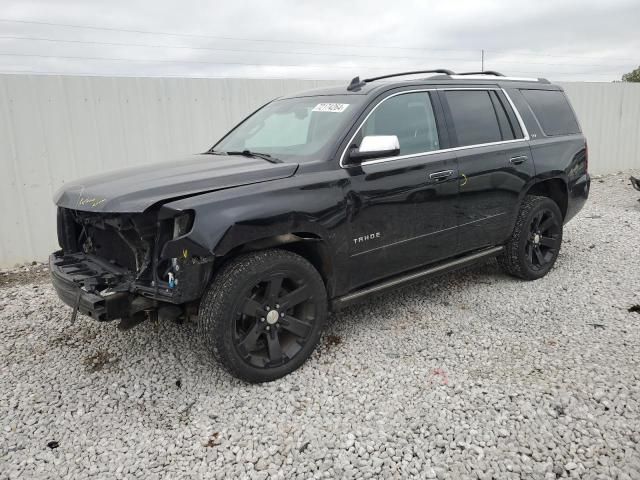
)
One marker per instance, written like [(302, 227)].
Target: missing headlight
[(182, 224)]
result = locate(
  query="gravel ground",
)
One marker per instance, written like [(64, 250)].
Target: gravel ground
[(474, 375)]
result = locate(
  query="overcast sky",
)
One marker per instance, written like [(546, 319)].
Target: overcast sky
[(560, 39)]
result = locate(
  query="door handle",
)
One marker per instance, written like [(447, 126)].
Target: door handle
[(439, 176), (518, 160)]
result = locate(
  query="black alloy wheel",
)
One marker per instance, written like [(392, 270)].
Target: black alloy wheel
[(274, 320), (535, 242), (263, 314), (544, 239)]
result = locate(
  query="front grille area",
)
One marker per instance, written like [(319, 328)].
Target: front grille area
[(124, 240), (109, 245)]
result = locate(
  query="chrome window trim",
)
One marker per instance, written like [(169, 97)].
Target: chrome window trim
[(523, 127), (525, 133)]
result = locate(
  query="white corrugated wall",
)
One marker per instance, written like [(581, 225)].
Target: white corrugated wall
[(609, 115), (57, 128)]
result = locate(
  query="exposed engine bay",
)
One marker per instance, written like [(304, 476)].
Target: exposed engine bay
[(116, 257), (124, 240)]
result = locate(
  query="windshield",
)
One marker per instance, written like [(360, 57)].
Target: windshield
[(294, 128)]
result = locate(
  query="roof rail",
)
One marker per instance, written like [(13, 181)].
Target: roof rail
[(356, 83), (438, 70), (484, 72), (486, 76)]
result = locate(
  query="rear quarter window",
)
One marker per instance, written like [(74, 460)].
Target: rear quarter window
[(553, 111)]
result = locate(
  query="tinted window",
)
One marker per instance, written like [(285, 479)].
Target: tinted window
[(410, 117), (474, 117), (552, 110), (503, 121), (511, 115)]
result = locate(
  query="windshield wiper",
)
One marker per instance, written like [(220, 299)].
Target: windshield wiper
[(249, 153)]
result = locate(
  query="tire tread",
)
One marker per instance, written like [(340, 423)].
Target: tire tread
[(217, 303), (510, 260)]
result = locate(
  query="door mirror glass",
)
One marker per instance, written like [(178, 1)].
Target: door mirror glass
[(375, 146)]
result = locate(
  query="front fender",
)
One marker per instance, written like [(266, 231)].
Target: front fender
[(226, 219)]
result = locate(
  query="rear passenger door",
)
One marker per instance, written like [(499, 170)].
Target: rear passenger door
[(493, 160)]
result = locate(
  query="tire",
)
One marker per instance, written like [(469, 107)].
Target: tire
[(535, 242), (263, 314)]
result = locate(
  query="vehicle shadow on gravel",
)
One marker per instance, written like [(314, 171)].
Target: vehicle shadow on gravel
[(389, 309), (180, 345), (175, 351), (442, 290)]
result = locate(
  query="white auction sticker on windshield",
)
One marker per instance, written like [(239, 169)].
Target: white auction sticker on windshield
[(330, 107)]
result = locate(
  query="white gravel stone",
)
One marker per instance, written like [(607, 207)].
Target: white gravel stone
[(472, 375)]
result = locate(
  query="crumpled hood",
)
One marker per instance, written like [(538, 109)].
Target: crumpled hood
[(136, 189)]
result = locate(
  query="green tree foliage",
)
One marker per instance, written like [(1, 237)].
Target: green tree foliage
[(633, 76)]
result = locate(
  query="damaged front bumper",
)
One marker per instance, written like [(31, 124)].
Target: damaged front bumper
[(94, 287), (113, 266), (103, 291)]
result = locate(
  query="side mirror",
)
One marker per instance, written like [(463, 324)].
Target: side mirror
[(375, 146)]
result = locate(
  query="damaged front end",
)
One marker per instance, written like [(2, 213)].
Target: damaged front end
[(112, 265)]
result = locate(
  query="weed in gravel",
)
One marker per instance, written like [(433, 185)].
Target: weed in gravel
[(328, 343), (99, 360), (304, 446), (213, 440), (332, 341), (560, 411)]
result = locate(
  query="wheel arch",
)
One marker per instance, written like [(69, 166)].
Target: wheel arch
[(555, 188), (309, 245)]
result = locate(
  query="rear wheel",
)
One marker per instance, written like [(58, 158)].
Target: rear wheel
[(535, 242), (263, 314)]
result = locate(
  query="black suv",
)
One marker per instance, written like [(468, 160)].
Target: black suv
[(319, 200)]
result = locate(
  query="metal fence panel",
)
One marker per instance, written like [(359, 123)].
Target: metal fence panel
[(609, 114), (58, 128)]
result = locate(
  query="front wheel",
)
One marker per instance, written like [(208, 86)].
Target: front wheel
[(263, 314), (535, 242)]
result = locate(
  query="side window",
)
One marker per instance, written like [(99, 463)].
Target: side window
[(503, 121), (474, 117), (514, 124), (553, 112), (410, 117)]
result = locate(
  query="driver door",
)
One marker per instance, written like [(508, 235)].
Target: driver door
[(402, 208)]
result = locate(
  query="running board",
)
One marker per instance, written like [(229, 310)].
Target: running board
[(406, 279)]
